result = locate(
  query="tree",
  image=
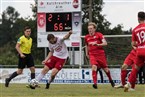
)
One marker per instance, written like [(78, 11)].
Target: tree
[(9, 17), (102, 24), (11, 29), (34, 9), (121, 49)]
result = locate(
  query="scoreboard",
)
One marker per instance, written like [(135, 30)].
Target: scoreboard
[(58, 22), (58, 17)]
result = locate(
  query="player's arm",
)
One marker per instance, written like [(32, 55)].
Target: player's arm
[(19, 51), (134, 44), (47, 58), (67, 35), (104, 42), (134, 40), (86, 50)]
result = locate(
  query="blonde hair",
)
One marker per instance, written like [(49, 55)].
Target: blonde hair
[(93, 24)]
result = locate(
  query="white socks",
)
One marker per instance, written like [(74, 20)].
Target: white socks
[(39, 77)]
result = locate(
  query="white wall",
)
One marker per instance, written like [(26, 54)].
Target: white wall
[(65, 76)]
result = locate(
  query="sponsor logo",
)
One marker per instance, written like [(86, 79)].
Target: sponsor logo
[(75, 3), (75, 44), (41, 5), (41, 20), (85, 74)]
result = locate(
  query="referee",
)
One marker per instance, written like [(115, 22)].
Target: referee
[(23, 47)]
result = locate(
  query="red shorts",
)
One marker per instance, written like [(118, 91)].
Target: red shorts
[(55, 62), (140, 57), (99, 61), (130, 59)]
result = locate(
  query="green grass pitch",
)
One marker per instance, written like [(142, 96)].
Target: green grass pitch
[(69, 90)]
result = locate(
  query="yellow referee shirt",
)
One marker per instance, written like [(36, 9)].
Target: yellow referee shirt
[(25, 44)]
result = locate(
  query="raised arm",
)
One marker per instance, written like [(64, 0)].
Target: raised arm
[(67, 35)]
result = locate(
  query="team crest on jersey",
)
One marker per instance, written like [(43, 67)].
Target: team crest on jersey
[(57, 49), (94, 37), (88, 39)]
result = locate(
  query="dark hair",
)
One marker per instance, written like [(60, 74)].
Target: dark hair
[(27, 27), (141, 15), (50, 36)]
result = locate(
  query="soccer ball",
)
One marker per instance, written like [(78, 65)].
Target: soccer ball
[(34, 83)]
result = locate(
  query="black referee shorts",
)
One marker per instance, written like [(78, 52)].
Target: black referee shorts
[(27, 61)]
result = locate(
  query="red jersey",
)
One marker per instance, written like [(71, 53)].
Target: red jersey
[(133, 52), (138, 35), (93, 49)]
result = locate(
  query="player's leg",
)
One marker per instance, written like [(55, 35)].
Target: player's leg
[(123, 76), (103, 64), (131, 79), (21, 66), (39, 77), (140, 59), (129, 61), (30, 65), (42, 74), (32, 69), (94, 76), (13, 75), (107, 71), (52, 77), (94, 64), (101, 74), (53, 74), (48, 66), (58, 64)]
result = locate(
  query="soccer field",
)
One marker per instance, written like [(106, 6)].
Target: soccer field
[(69, 90)]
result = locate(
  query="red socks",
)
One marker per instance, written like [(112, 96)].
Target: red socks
[(132, 77), (94, 76), (123, 76), (109, 75)]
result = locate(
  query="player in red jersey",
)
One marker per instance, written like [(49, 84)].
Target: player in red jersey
[(95, 52), (138, 40), (129, 61)]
